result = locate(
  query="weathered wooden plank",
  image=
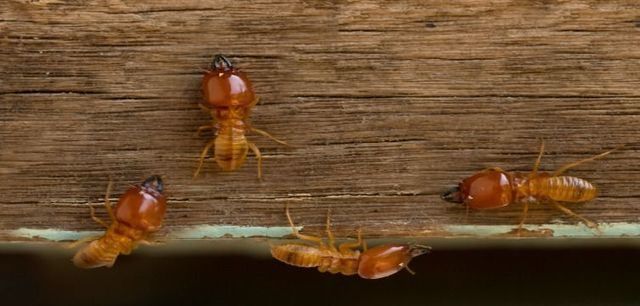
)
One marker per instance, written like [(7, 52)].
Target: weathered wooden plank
[(387, 103)]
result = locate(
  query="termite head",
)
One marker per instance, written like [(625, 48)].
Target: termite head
[(224, 85), (387, 259), (143, 207), (486, 189)]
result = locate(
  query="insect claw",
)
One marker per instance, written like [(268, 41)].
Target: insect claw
[(452, 195), (159, 186), (419, 249)]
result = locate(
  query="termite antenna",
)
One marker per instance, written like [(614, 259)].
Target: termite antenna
[(221, 63), (159, 186)]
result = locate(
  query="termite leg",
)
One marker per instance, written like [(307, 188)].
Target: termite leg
[(496, 169), (203, 155), (417, 250), (95, 218), (571, 165), (537, 163), (107, 202), (265, 134), (254, 103), (156, 241), (256, 151), (525, 210), (317, 240), (347, 246), (78, 242), (204, 108), (364, 246), (569, 212), (332, 240), (204, 128), (145, 242)]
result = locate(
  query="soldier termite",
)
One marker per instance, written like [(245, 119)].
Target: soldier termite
[(377, 262), (229, 98), (139, 212), (494, 188)]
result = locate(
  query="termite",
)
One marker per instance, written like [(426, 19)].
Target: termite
[(139, 212), (229, 98), (373, 263), (495, 188)]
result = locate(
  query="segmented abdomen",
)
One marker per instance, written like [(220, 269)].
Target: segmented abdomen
[(567, 189), (102, 252), (297, 255), (305, 256), (231, 148)]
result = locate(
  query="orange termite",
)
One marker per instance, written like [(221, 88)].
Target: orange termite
[(139, 212), (229, 98), (374, 263), (495, 188)]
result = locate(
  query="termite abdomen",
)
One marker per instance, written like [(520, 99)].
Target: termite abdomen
[(298, 255), (325, 260), (231, 148), (102, 252), (567, 189)]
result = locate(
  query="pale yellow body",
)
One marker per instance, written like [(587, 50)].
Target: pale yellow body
[(231, 148), (230, 145), (327, 260), (557, 188), (119, 239)]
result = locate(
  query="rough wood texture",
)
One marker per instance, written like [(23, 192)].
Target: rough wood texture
[(388, 103)]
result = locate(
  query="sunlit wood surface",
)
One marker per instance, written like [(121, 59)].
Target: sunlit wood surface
[(386, 104)]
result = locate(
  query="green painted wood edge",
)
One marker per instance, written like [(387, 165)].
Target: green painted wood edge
[(620, 229), (196, 232), (607, 230)]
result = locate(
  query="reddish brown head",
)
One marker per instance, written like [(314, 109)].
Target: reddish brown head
[(484, 190), (387, 259), (143, 207), (226, 86)]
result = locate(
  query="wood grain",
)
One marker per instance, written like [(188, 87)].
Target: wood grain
[(387, 103)]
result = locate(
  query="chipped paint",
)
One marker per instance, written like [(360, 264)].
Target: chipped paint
[(52, 234), (559, 230), (219, 231)]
